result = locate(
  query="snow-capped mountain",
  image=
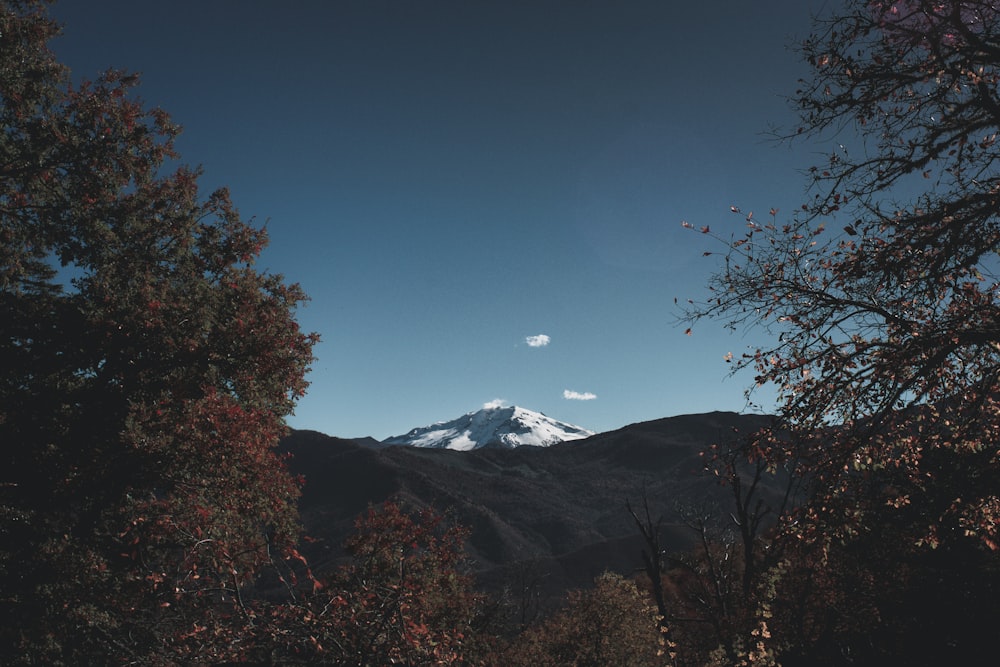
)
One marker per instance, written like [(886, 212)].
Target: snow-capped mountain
[(505, 427)]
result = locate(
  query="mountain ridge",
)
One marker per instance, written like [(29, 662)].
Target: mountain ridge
[(561, 507)]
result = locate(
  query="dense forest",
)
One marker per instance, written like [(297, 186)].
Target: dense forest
[(147, 368)]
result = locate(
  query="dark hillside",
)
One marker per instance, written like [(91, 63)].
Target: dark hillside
[(561, 508)]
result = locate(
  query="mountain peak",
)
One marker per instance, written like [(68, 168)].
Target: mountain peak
[(492, 426)]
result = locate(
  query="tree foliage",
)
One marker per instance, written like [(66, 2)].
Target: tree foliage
[(880, 295), (611, 624), (146, 368), (404, 598)]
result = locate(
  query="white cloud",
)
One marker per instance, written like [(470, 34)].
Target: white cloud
[(578, 396), (541, 340), (495, 404)]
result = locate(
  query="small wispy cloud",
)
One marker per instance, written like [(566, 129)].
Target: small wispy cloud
[(541, 340), (578, 396), (495, 404)]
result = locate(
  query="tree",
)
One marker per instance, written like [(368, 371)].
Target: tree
[(146, 369), (881, 295), (612, 624), (652, 555), (403, 599)]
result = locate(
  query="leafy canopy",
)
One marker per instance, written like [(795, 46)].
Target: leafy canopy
[(880, 299), (881, 293), (146, 368)]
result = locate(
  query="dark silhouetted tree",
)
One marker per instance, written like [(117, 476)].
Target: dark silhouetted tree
[(880, 295), (146, 369)]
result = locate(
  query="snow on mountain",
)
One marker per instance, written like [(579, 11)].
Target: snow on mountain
[(493, 426)]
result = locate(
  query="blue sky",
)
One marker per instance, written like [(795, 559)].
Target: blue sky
[(448, 179)]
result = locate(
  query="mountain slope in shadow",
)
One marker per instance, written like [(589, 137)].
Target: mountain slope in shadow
[(560, 508)]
